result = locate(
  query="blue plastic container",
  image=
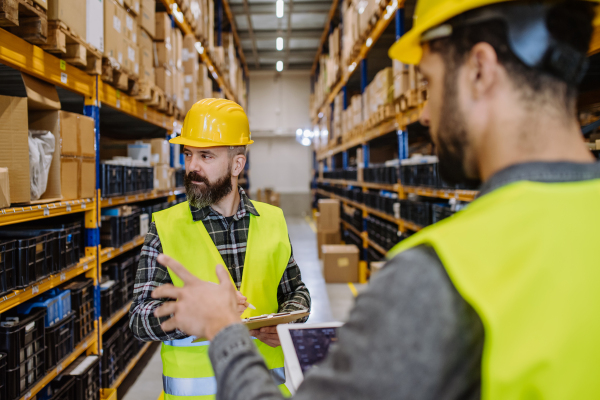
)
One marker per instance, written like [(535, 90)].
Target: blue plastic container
[(51, 305), (64, 301)]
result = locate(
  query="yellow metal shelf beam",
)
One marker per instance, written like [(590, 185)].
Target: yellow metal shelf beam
[(82, 347), (353, 229), (118, 100), (376, 246), (115, 318), (130, 366), (133, 198), (20, 296), (23, 56), (15, 215), (368, 185), (462, 195), (109, 253)]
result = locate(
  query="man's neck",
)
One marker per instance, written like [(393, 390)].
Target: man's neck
[(229, 204), (530, 137)]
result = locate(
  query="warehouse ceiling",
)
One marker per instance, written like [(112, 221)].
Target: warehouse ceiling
[(300, 27)]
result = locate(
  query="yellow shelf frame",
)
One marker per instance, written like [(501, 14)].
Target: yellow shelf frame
[(353, 229), (130, 366), (85, 265), (368, 185), (133, 198), (376, 246), (15, 215), (87, 343), (115, 318), (108, 253)]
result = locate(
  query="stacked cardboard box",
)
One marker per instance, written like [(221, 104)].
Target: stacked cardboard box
[(114, 31), (164, 60), (164, 175), (72, 172), (191, 70), (70, 13), (131, 56), (205, 85), (328, 223), (340, 263), (177, 41), (379, 92)]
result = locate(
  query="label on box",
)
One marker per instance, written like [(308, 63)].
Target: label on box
[(186, 94), (343, 262), (131, 53), (168, 43), (117, 23), (136, 7), (136, 68), (189, 78), (129, 22), (134, 37), (120, 57), (185, 55)]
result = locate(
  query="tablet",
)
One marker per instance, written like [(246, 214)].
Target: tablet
[(305, 345)]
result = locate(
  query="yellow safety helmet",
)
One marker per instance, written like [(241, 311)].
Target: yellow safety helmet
[(215, 122), (430, 14)]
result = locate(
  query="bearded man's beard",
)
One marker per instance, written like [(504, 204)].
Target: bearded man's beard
[(200, 196)]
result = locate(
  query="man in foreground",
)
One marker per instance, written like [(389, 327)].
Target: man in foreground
[(499, 301)]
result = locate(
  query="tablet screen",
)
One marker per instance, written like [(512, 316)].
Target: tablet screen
[(312, 344)]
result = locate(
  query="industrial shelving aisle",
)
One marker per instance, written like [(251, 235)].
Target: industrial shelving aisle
[(386, 132), (99, 99)]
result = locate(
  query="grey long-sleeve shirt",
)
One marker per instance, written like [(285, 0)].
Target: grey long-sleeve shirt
[(410, 336)]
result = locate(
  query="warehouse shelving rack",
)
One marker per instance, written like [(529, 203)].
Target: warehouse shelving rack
[(25, 57), (397, 123)]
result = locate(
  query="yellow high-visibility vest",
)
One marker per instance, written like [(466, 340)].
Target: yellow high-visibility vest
[(525, 257), (187, 371)]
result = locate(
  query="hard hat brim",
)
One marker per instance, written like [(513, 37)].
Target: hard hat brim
[(408, 48), (204, 143)]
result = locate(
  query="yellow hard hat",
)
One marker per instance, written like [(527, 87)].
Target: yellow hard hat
[(430, 14), (215, 122)]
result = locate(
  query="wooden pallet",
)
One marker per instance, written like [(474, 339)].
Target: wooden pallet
[(119, 77), (170, 107), (147, 93), (25, 19), (65, 43), (163, 103)]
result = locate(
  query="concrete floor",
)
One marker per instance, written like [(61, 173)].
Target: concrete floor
[(330, 302)]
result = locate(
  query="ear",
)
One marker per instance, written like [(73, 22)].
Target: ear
[(239, 162), (482, 70)]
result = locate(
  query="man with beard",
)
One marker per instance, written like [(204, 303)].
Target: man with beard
[(218, 225), (501, 300)]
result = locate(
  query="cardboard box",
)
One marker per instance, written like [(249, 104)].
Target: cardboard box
[(94, 23), (146, 56), (326, 238), (162, 148), (42, 3), (87, 178), (164, 177), (114, 29), (74, 133), (4, 188), (164, 54), (70, 12), (87, 136), (15, 146), (177, 43), (131, 59), (329, 215), (340, 263), (131, 27), (147, 17), (162, 27), (164, 80), (69, 178)]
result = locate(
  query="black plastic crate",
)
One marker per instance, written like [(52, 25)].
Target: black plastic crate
[(8, 262), (111, 180), (60, 340), (129, 180), (108, 299), (179, 178), (61, 388), (85, 371), (112, 354), (139, 179), (34, 254), (82, 303), (3, 357), (150, 178), (23, 341)]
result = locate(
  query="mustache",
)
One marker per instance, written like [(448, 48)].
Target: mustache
[(195, 177)]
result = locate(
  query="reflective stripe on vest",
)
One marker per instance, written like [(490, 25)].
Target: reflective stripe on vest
[(206, 386), (525, 258), (268, 252)]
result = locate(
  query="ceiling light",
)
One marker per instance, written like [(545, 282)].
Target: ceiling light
[(306, 141), (279, 8), (298, 132), (279, 66), (369, 42), (307, 133), (279, 43), (325, 133)]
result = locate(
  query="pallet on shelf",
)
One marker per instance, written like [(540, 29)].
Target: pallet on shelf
[(69, 46), (25, 19), (149, 93), (118, 76)]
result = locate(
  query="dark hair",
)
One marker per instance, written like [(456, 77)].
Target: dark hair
[(569, 22)]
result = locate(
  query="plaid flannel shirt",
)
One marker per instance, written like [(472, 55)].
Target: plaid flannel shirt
[(230, 238)]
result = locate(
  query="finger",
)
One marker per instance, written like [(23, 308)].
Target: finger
[(166, 309), (169, 325), (267, 336), (167, 291), (176, 267), (269, 329), (223, 275), (254, 332)]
